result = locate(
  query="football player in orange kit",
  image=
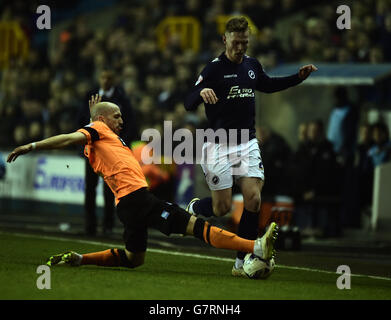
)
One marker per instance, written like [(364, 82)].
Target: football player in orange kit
[(137, 208)]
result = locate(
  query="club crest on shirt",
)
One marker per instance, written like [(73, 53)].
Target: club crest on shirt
[(251, 74)]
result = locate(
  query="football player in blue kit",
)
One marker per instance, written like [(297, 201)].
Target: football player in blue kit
[(227, 87)]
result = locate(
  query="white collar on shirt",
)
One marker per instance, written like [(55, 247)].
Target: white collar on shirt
[(107, 93)]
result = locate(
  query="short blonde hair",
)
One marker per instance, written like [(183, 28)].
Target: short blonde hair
[(238, 24)]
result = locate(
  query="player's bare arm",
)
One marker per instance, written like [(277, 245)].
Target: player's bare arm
[(209, 96), (306, 70), (55, 142)]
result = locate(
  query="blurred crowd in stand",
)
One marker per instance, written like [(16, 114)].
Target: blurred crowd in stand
[(330, 174), (42, 95), (39, 96)]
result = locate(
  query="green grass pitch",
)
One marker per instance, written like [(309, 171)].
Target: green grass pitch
[(163, 276)]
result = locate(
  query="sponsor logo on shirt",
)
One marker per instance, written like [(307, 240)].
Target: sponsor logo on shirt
[(230, 76), (236, 92)]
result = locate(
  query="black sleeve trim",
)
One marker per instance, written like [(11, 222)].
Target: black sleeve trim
[(94, 134)]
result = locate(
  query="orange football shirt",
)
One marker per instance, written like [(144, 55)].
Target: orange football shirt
[(111, 158)]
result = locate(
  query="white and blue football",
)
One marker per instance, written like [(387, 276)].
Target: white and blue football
[(257, 268)]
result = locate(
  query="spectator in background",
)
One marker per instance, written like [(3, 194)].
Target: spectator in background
[(381, 151), (20, 134), (342, 133), (268, 43), (167, 96), (276, 157), (300, 176), (302, 134), (362, 182), (32, 118), (363, 47), (111, 92), (385, 37), (365, 143), (342, 128), (10, 110), (320, 186), (296, 43), (376, 55), (300, 164), (147, 112)]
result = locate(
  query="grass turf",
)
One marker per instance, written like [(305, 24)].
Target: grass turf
[(163, 276)]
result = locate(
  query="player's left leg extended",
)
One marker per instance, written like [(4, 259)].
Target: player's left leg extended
[(170, 218), (131, 257), (107, 258)]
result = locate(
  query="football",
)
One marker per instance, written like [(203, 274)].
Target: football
[(256, 268)]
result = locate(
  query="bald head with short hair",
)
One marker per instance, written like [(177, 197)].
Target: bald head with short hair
[(108, 113), (102, 109)]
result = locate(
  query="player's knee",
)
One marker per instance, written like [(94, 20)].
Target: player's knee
[(221, 208), (131, 260), (170, 219), (253, 202)]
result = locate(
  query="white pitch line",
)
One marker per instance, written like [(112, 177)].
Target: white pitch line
[(185, 254)]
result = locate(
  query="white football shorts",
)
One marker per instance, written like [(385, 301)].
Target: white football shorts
[(223, 163)]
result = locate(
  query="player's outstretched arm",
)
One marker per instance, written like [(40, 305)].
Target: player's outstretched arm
[(55, 142), (274, 84)]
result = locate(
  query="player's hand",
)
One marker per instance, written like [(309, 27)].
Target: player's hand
[(95, 99), (209, 96), (19, 151), (306, 70)]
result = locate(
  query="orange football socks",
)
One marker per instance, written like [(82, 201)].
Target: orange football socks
[(107, 258), (224, 239)]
